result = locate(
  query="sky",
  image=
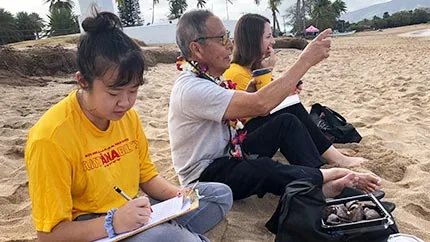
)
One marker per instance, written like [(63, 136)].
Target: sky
[(219, 7)]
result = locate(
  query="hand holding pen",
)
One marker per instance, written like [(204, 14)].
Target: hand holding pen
[(135, 213), (118, 190)]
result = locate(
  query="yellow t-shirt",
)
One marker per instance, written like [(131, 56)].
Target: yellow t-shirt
[(239, 74), (72, 165)]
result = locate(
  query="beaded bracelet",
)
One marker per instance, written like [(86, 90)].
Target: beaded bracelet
[(109, 223)]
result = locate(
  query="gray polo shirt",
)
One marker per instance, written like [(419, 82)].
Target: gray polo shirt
[(197, 132)]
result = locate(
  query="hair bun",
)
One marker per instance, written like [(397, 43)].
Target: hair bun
[(103, 21)]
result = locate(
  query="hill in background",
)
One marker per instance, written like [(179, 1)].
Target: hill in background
[(379, 9)]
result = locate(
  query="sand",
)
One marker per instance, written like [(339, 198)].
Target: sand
[(377, 80)]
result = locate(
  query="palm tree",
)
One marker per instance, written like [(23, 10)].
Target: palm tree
[(339, 7), (29, 25), (61, 22), (226, 6), (273, 6), (8, 28), (294, 16), (300, 16), (56, 4), (323, 14), (177, 8), (38, 23), (201, 3), (306, 10), (153, 8)]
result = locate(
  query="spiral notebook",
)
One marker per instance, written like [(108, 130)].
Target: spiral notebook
[(162, 212)]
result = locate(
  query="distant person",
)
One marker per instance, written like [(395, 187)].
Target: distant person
[(253, 49), (93, 140), (206, 134)]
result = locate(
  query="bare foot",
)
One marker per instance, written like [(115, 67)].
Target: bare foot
[(335, 187), (349, 161), (334, 156), (367, 182)]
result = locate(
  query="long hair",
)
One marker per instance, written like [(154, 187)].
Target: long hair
[(248, 33)]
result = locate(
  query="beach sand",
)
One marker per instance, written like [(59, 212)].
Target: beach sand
[(377, 80)]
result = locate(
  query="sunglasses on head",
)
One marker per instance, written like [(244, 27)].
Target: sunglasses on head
[(225, 38)]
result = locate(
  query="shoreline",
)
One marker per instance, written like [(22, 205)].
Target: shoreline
[(418, 34)]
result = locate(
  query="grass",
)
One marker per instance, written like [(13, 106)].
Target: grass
[(64, 40)]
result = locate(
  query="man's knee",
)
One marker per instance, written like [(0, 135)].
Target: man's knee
[(288, 119), (218, 193)]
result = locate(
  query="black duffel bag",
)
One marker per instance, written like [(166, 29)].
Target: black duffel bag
[(333, 125), (298, 218)]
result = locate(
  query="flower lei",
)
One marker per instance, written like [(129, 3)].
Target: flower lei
[(234, 147)]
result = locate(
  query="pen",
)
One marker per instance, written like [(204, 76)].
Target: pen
[(118, 190)]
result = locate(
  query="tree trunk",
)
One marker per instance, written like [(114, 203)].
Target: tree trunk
[(303, 14), (298, 17), (274, 20), (153, 8)]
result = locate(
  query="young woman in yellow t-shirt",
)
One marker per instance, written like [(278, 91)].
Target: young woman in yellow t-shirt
[(253, 49), (93, 140)]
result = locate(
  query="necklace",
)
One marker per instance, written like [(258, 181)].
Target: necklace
[(234, 146)]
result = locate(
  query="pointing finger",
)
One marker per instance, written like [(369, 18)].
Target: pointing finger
[(324, 34)]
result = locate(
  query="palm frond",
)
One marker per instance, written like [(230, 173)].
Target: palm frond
[(201, 3)]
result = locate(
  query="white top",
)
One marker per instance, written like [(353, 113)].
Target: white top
[(197, 132)]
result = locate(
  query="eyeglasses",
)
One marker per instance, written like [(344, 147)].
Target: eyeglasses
[(225, 38)]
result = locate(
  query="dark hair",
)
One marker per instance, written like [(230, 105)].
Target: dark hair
[(104, 46), (191, 26), (247, 39)]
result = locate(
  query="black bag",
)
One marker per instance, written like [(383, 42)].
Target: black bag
[(298, 218), (333, 125)]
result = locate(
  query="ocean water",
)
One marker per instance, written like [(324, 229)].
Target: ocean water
[(420, 33)]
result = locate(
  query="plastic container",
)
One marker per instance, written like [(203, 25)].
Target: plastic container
[(403, 238), (262, 76), (360, 226)]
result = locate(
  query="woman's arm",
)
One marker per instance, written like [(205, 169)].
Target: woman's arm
[(88, 230), (244, 104), (159, 188), (132, 215)]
